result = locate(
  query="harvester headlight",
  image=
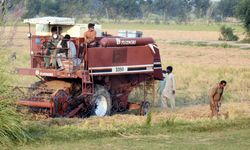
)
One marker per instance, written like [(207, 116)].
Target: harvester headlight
[(31, 52), (29, 35)]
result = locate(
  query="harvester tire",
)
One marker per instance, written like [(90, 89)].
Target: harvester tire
[(145, 108), (102, 103)]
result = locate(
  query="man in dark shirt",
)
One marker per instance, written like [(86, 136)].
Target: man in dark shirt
[(51, 47)]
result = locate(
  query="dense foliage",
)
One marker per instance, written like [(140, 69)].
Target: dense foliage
[(243, 12), (116, 10), (179, 10), (226, 8)]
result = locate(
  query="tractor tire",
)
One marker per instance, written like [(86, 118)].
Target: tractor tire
[(101, 102), (145, 108)]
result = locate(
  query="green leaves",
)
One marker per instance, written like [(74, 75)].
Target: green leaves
[(227, 34), (243, 13), (12, 130)]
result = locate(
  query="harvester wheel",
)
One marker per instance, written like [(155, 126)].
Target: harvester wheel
[(101, 102), (145, 108), (61, 103)]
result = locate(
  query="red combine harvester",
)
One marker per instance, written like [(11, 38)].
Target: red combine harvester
[(101, 83)]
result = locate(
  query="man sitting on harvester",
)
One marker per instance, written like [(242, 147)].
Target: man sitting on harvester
[(67, 49), (90, 35), (51, 47)]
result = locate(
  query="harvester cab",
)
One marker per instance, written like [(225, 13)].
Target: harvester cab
[(97, 80)]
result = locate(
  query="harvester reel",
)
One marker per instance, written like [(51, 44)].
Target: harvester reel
[(61, 103), (101, 102)]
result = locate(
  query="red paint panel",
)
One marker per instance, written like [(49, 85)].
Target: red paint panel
[(104, 57), (44, 104), (25, 71), (140, 55), (158, 72)]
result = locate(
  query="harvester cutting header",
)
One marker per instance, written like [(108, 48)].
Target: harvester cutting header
[(82, 77)]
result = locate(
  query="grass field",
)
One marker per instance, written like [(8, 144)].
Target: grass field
[(176, 134), (180, 141), (196, 68)]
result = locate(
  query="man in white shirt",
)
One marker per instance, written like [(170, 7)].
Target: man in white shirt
[(68, 51), (162, 85), (168, 93)]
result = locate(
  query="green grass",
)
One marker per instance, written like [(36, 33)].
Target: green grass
[(220, 140), (179, 134), (179, 27), (12, 129)]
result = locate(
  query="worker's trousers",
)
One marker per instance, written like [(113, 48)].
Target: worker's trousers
[(59, 58), (215, 107), (165, 100)]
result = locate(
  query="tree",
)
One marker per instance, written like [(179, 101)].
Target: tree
[(130, 9), (145, 8), (112, 8), (51, 8), (226, 8), (243, 13), (95, 9), (173, 9), (32, 8), (201, 7), (160, 7), (178, 10)]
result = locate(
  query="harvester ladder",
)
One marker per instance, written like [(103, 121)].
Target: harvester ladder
[(87, 83), (92, 81)]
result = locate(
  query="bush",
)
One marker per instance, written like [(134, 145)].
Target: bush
[(227, 34)]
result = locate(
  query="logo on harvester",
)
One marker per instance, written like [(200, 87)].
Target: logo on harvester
[(38, 73), (125, 42), (118, 41)]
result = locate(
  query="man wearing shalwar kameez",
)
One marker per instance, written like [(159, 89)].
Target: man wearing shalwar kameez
[(168, 94)]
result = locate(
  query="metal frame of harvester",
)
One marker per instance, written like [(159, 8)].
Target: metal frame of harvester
[(101, 84)]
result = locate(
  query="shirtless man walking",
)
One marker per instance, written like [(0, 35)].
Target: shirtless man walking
[(215, 98)]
